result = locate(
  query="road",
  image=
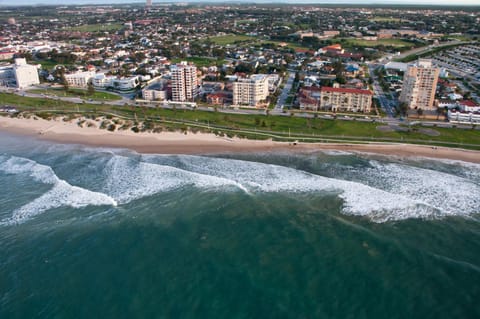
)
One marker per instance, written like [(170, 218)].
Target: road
[(423, 49), (385, 120), (388, 105), (284, 95)]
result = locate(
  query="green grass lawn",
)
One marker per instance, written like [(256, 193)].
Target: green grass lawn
[(387, 42), (255, 125), (200, 61), (97, 27), (230, 39), (386, 19), (74, 92), (46, 64)]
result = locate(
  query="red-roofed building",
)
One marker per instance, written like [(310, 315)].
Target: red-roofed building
[(309, 98), (345, 100), (218, 98)]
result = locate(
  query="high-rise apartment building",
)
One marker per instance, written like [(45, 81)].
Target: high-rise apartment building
[(148, 4), (184, 82), (250, 91), (419, 85)]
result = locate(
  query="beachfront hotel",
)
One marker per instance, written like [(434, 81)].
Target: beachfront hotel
[(419, 85), (250, 91), (345, 99), (184, 82)]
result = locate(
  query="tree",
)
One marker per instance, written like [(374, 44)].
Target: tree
[(403, 107), (419, 112), (90, 89), (64, 82)]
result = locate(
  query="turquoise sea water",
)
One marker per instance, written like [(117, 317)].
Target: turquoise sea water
[(105, 233)]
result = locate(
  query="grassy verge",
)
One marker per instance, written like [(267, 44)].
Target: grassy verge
[(97, 95), (260, 126)]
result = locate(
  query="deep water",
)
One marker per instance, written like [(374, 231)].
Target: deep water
[(108, 233)]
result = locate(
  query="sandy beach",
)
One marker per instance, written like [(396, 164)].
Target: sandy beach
[(200, 143)]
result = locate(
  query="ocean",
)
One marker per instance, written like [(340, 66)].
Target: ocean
[(111, 233)]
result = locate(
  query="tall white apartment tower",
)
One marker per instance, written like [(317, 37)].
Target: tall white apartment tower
[(148, 4), (184, 82), (419, 85), (250, 91)]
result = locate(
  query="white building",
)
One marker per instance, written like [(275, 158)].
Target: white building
[(155, 91), (25, 74), (463, 117), (102, 81), (419, 85), (80, 79), (184, 82), (250, 91)]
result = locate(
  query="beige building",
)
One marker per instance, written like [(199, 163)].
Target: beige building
[(79, 79), (184, 82), (419, 85), (345, 100), (250, 91)]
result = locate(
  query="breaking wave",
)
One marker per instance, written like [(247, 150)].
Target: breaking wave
[(376, 190), (61, 194)]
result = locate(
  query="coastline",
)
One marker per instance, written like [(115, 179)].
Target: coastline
[(69, 132)]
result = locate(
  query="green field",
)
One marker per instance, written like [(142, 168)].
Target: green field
[(97, 27), (200, 61), (230, 39), (253, 126), (46, 64), (97, 95), (386, 42)]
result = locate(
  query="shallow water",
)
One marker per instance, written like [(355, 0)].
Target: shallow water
[(112, 233)]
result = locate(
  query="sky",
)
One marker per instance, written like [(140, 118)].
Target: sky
[(406, 2)]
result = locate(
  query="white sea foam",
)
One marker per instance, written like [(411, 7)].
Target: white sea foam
[(402, 191), (449, 194), (61, 194), (128, 179)]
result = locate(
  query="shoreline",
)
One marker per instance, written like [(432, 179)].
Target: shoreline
[(68, 132)]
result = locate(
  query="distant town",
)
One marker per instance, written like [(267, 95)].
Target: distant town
[(364, 62)]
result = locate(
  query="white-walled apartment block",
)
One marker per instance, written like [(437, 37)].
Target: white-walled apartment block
[(102, 81), (184, 82), (419, 85), (250, 91), (80, 79), (25, 74)]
